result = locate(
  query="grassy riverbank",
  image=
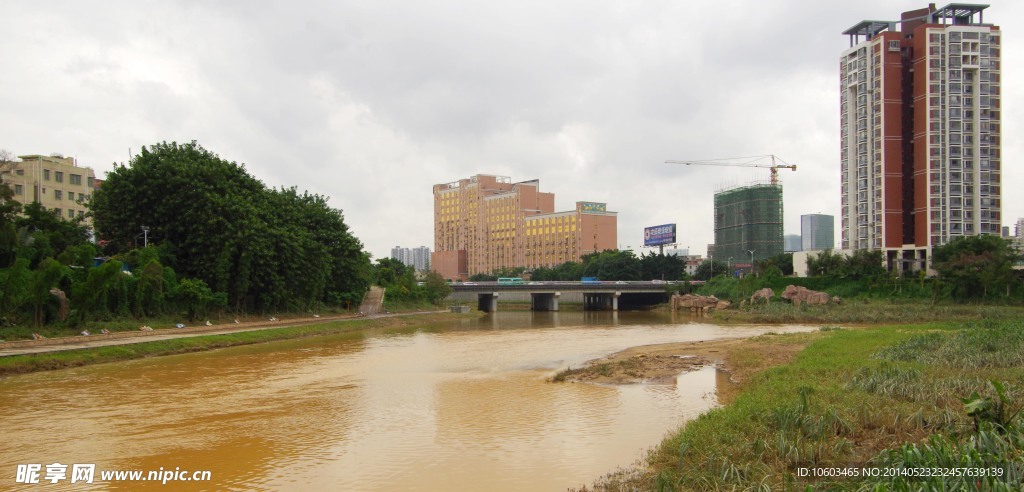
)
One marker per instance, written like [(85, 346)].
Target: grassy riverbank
[(20, 364), (879, 396), (864, 311)]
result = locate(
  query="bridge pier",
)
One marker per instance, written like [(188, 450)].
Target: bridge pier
[(544, 301), (487, 302), (601, 301)]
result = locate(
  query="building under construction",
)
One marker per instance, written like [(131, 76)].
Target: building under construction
[(748, 219)]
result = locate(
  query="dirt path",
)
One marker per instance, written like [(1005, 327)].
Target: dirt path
[(21, 347)]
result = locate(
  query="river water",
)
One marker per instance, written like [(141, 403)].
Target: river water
[(462, 405)]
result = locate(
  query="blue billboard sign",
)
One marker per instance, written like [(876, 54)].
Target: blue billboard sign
[(658, 235)]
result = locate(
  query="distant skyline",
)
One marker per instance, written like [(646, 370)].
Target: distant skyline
[(371, 103)]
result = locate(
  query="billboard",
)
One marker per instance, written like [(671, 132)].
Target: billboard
[(658, 235), (592, 207)]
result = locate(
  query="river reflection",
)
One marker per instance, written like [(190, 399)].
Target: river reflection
[(459, 405)]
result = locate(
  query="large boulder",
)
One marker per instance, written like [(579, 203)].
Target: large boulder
[(697, 303), (802, 295), (766, 293)]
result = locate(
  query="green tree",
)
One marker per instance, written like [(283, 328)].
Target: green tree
[(50, 234), (612, 265), (975, 266), (15, 282), (784, 263), (101, 290), (436, 288), (9, 209), (149, 290), (390, 271), (661, 267), (397, 278), (264, 249), (705, 270), (865, 264), (48, 276), (825, 264), (195, 296)]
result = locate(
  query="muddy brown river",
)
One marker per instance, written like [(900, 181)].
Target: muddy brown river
[(457, 406)]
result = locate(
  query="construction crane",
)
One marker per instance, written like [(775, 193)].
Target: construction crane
[(753, 161)]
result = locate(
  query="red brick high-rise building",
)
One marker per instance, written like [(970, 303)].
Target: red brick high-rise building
[(920, 129)]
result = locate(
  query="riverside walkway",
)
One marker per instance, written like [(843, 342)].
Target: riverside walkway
[(57, 344)]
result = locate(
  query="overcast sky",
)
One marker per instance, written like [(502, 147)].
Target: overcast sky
[(373, 102)]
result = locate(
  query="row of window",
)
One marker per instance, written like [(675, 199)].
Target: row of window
[(958, 36), (70, 213), (57, 194)]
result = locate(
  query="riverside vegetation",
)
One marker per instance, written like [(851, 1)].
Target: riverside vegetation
[(944, 394), (217, 244)]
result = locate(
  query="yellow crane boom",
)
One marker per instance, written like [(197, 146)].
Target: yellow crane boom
[(752, 161)]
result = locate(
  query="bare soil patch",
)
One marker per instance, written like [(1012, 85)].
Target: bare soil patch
[(661, 363)]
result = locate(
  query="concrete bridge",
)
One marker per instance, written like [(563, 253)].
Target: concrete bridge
[(544, 296)]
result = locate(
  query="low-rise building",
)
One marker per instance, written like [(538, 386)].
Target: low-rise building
[(55, 182)]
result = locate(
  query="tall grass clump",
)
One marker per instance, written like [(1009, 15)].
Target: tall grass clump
[(985, 344), (993, 458)]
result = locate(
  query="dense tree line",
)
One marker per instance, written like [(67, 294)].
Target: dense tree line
[(264, 249), (218, 240), (967, 269)]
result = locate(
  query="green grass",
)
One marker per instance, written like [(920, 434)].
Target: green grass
[(863, 311), (878, 396), (132, 324), (19, 364)]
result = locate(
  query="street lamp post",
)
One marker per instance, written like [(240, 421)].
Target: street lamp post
[(712, 259), (751, 260), (145, 236)]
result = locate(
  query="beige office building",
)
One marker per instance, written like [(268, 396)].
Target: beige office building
[(485, 223), (55, 182)]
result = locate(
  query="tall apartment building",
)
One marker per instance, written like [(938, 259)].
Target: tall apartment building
[(418, 258), (920, 132), (748, 219), (485, 223), (55, 182), (817, 232)]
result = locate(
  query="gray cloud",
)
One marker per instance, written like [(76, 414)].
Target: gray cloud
[(371, 103)]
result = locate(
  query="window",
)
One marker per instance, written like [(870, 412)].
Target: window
[(75, 179), (58, 176), (46, 174), (57, 212), (20, 172), (58, 194), (90, 182), (19, 190), (71, 196), (71, 214)]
